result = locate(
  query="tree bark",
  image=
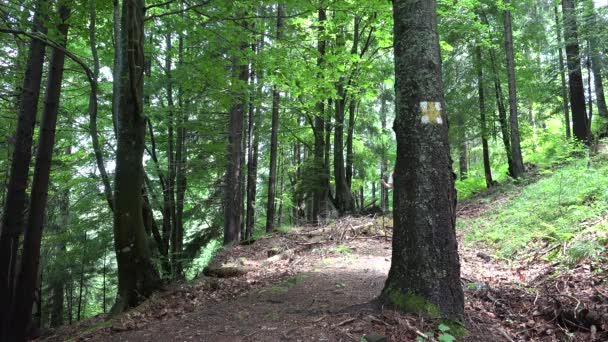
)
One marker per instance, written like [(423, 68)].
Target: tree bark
[(596, 59), (425, 271), (233, 205), (270, 209), (137, 277), (14, 205), (487, 167), (577, 92), (562, 75), (518, 162)]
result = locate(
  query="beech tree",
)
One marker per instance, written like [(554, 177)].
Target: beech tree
[(425, 270), (137, 276)]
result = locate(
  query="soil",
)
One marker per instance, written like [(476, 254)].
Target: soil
[(319, 283)]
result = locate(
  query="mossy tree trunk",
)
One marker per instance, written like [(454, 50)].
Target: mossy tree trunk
[(425, 271), (137, 276)]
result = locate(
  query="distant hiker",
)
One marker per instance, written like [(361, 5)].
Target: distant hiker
[(388, 185)]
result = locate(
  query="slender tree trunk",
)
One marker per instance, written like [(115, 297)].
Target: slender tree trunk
[(319, 202), (577, 92), (518, 162), (25, 289), (181, 158), (487, 167), (58, 285), (270, 210), (137, 277), (425, 270), (502, 113), (590, 97), (562, 75), (462, 150), (252, 166), (349, 143), (81, 284), (15, 202)]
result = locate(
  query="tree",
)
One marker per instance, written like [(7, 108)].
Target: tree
[(518, 163), (425, 268), (15, 203), (276, 100), (577, 91), (562, 74), (487, 167), (137, 276), (27, 279), (233, 191)]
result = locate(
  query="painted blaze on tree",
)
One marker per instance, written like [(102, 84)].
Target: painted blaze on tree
[(425, 270)]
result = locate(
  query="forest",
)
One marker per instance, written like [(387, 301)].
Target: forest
[(331, 170)]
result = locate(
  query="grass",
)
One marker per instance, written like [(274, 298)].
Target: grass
[(568, 207)]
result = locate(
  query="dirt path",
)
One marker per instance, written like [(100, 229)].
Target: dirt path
[(306, 292)]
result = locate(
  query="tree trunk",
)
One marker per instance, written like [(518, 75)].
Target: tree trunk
[(518, 162), (319, 203), (270, 209), (425, 271), (25, 288), (233, 205), (15, 202), (462, 150), (487, 167), (577, 92), (562, 75), (137, 277), (252, 160), (502, 113), (344, 201), (593, 32), (181, 158), (58, 284)]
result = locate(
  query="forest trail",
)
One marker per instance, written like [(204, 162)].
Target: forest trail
[(314, 284)]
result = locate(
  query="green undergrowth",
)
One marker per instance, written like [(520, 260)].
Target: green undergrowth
[(567, 207)]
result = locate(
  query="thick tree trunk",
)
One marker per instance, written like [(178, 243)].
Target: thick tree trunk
[(344, 200), (137, 277), (562, 75), (487, 167), (25, 289), (577, 92), (593, 31), (15, 202), (270, 209), (518, 162), (233, 205), (425, 271)]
